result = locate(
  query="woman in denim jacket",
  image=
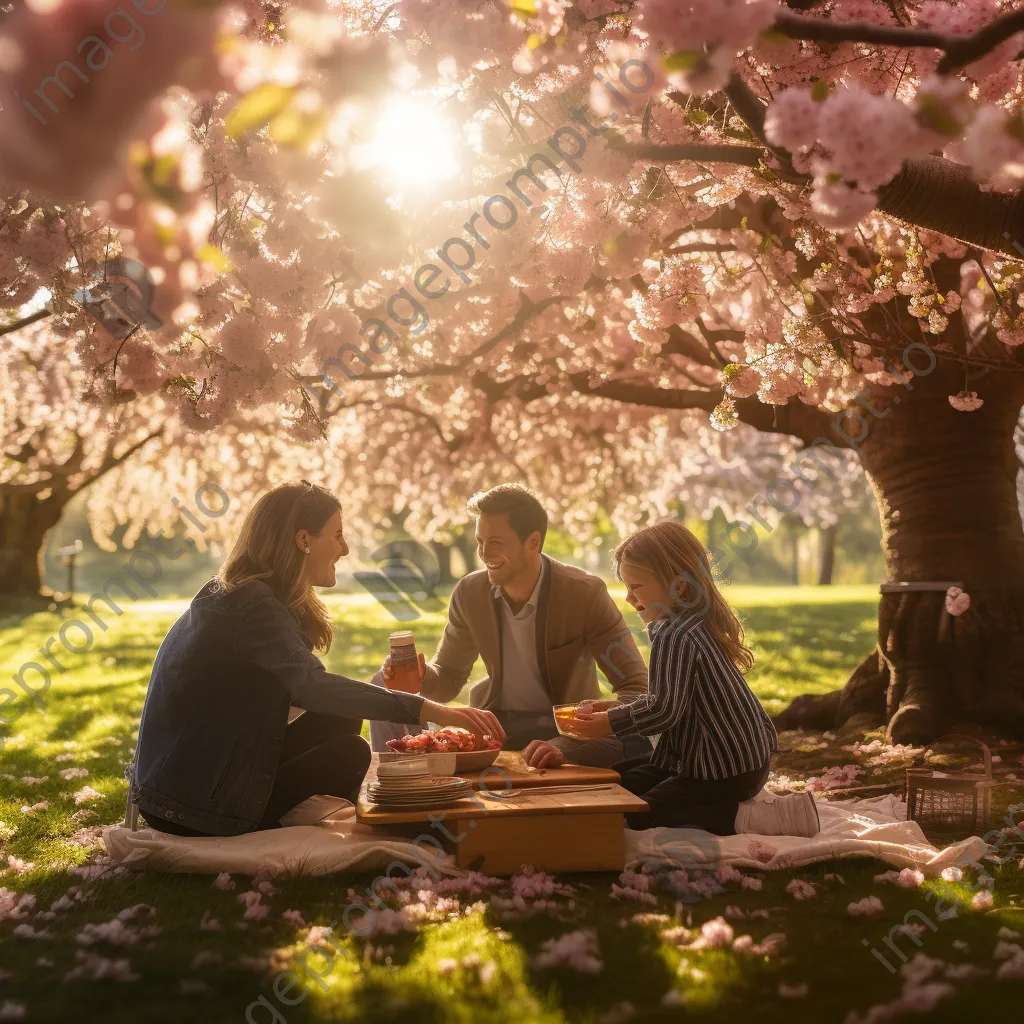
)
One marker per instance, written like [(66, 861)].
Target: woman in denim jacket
[(216, 753)]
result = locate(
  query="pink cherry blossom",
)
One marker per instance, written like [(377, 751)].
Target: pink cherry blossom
[(957, 601), (869, 906), (93, 967), (86, 794), (792, 991), (801, 890), (966, 401), (223, 881), (761, 851), (578, 950), (791, 120), (714, 934), (982, 900)]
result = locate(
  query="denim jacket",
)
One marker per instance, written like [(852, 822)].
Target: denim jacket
[(217, 706)]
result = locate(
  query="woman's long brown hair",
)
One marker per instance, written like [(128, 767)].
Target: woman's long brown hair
[(266, 550), (670, 551)]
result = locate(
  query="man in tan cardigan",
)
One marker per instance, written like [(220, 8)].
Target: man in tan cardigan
[(542, 629)]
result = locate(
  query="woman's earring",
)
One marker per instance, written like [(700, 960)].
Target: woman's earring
[(307, 551)]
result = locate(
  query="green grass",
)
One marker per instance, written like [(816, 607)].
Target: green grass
[(806, 640)]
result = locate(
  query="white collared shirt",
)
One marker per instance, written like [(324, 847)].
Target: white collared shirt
[(522, 685)]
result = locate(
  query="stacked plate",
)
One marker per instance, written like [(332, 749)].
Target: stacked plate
[(409, 783)]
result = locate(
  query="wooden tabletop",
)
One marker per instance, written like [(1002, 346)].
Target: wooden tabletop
[(510, 764), (583, 798)]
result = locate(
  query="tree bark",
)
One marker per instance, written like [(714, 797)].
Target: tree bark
[(443, 554), (24, 523), (945, 482), (465, 543), (827, 556)]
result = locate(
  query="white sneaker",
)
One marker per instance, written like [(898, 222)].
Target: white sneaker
[(771, 814)]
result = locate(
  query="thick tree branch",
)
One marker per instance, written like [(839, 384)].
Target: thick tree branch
[(958, 50), (695, 247), (749, 156), (930, 192), (682, 343), (939, 195), (805, 422)]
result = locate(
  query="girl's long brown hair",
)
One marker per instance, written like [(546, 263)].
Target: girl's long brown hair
[(266, 550), (683, 565)]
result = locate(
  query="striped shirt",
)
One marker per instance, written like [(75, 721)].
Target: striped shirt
[(711, 724)]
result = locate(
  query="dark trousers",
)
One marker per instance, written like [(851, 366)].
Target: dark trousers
[(678, 802), (320, 753)]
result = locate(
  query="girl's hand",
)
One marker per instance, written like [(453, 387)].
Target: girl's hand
[(480, 723), (541, 754), (588, 725)]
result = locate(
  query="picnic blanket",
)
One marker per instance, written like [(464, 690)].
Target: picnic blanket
[(324, 838), (876, 827)]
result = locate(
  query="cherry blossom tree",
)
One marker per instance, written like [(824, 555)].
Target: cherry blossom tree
[(560, 236), (56, 443)]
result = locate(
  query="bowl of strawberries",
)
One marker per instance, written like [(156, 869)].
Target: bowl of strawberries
[(472, 753)]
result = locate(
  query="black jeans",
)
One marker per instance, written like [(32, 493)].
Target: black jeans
[(320, 753), (679, 802)]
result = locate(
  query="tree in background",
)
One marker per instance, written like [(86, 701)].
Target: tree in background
[(802, 221), (57, 441)]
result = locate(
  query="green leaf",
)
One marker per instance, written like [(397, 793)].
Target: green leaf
[(819, 91), (523, 8), (293, 128), (254, 111), (682, 60), (933, 116), (697, 116)]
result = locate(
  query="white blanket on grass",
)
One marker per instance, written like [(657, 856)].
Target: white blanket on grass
[(849, 828)]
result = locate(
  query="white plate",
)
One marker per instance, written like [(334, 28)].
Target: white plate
[(420, 792), (413, 790), (431, 801), (411, 766), (440, 764)]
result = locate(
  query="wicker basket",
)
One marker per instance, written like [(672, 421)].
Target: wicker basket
[(951, 805)]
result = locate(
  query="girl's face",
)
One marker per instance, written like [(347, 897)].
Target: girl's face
[(645, 592), (325, 549)]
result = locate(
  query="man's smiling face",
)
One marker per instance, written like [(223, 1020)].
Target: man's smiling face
[(504, 555)]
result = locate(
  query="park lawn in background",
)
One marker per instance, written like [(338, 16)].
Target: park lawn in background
[(474, 965)]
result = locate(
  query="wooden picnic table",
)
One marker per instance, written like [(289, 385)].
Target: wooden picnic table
[(561, 819)]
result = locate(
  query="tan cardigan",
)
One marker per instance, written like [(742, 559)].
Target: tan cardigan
[(578, 624)]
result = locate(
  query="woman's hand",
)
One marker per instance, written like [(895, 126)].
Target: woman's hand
[(541, 754), (480, 723), (387, 674), (588, 725)]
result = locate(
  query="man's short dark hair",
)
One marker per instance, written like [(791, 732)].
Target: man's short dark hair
[(525, 513)]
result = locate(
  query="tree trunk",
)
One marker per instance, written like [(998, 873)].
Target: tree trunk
[(465, 542), (443, 554), (945, 482), (24, 524), (827, 555)]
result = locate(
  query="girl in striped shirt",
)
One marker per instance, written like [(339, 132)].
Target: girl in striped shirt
[(715, 740)]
